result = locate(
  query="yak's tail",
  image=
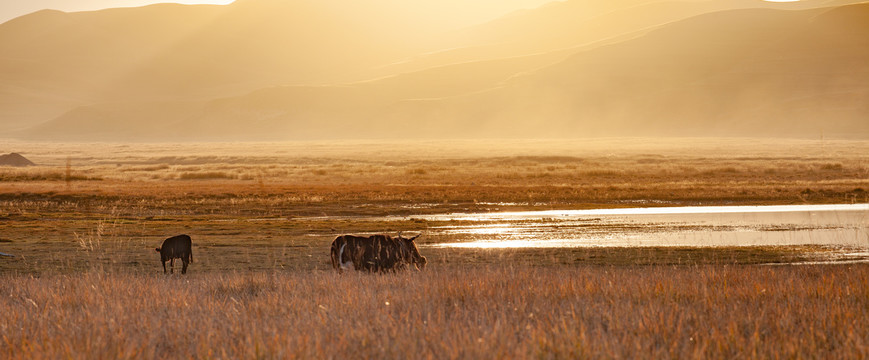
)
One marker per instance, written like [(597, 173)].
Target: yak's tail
[(335, 256), (341, 263), (157, 249)]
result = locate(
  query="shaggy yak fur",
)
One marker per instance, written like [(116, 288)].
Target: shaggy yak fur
[(375, 253)]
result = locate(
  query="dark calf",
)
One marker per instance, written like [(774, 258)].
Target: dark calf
[(176, 247)]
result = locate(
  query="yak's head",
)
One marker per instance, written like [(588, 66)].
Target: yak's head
[(413, 256)]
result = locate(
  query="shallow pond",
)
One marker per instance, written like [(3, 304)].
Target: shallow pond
[(845, 225)]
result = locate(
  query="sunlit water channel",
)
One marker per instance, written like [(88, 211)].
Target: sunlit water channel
[(845, 225)]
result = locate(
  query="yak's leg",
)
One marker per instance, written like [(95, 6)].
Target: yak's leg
[(172, 266), (164, 266), (184, 262)]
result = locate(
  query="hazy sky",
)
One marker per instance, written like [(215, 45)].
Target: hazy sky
[(10, 9)]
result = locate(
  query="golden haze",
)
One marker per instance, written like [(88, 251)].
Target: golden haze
[(150, 85), (301, 70)]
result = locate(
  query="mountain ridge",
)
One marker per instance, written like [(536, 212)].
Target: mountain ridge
[(687, 68)]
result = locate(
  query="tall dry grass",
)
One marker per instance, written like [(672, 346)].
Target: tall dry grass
[(488, 312)]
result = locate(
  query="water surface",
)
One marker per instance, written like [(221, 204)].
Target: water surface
[(843, 225)]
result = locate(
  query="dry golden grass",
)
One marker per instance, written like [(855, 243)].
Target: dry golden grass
[(359, 178), (85, 283), (492, 312)]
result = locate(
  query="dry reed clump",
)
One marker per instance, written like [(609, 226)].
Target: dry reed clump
[(487, 312), (41, 174), (206, 175), (146, 168), (832, 167)]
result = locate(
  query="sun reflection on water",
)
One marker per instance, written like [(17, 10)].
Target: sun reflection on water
[(708, 226)]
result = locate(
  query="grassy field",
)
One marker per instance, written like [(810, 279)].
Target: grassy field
[(271, 206), (299, 179), (86, 282), (491, 312)]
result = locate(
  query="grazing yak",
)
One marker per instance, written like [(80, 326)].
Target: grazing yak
[(176, 247), (375, 253)]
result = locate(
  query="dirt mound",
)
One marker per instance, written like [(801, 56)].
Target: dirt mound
[(14, 159)]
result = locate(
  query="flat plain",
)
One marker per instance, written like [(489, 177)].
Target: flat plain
[(85, 279)]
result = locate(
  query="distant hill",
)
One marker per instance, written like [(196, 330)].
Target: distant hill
[(740, 72), (15, 159), (51, 62), (575, 24)]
